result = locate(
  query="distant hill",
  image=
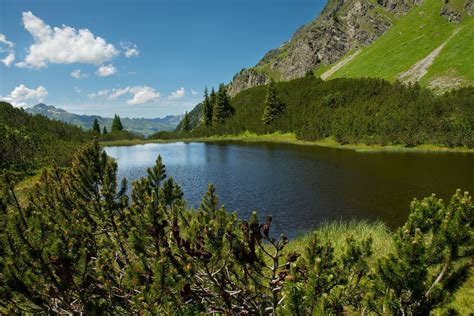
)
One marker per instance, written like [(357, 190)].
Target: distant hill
[(426, 41), (138, 125)]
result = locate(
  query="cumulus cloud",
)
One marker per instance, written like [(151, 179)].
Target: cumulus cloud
[(63, 45), (178, 94), (140, 94), (129, 49), (78, 74), (143, 94), (6, 47), (106, 70), (194, 92), (21, 94)]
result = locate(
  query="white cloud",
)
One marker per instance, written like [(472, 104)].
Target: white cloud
[(106, 70), (140, 94), (143, 94), (9, 59), (194, 92), (7, 47), (78, 74), (130, 49), (22, 93), (3, 39), (99, 94), (77, 90), (118, 92), (63, 45), (178, 94)]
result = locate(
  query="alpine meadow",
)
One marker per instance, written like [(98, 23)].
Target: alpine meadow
[(143, 173)]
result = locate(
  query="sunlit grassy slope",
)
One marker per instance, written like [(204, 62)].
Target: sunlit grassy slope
[(412, 38)]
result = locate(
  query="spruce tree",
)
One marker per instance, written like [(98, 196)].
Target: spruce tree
[(207, 109), (96, 127), (273, 106), (222, 107), (116, 124), (186, 125), (104, 131)]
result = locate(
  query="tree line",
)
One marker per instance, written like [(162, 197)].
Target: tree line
[(356, 111), (80, 244)]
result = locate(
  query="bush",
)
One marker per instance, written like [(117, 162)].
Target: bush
[(80, 244)]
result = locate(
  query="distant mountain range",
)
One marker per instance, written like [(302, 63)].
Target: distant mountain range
[(143, 126)]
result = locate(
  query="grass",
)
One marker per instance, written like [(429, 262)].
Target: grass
[(336, 232), (290, 138), (411, 39)]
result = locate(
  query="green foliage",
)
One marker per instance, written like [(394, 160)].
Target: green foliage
[(222, 108), (207, 108), (356, 111), (186, 124), (80, 244), (29, 142), (434, 252), (104, 131), (116, 124), (273, 107), (96, 127)]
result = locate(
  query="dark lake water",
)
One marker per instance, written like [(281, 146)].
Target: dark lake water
[(303, 186)]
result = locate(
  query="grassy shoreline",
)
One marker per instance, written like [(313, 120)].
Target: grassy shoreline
[(290, 138)]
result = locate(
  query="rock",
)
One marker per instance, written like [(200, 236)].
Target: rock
[(343, 25)]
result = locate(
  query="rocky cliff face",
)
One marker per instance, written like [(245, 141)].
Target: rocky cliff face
[(344, 25)]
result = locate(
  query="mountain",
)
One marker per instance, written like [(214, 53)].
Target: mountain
[(425, 41), (139, 125)]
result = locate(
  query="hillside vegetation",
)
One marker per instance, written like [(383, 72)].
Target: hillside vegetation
[(29, 142), (353, 111), (412, 38)]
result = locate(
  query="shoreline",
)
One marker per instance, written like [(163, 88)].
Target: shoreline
[(290, 138)]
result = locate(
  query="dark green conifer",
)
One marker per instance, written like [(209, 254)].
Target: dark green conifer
[(96, 127), (273, 107), (116, 124), (222, 107), (104, 131), (186, 127), (207, 109)]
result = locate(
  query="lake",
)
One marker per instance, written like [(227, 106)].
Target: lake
[(303, 186)]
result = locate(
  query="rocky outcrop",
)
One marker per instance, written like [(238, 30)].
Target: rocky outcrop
[(469, 7), (344, 25)]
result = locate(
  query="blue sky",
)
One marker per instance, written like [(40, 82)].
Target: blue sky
[(135, 58)]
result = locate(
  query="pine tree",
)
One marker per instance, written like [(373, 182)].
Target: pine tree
[(273, 106), (104, 131), (207, 108), (116, 124), (222, 107), (96, 127), (186, 127)]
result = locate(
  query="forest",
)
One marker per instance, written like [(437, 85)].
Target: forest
[(352, 111), (80, 244)]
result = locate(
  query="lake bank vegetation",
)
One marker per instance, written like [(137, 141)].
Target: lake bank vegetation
[(350, 111), (79, 243)]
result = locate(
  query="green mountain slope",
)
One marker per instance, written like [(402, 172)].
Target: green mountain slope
[(143, 126), (32, 141), (411, 39)]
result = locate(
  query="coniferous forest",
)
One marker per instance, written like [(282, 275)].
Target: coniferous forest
[(353, 111)]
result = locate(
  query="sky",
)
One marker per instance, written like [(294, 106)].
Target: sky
[(135, 58)]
